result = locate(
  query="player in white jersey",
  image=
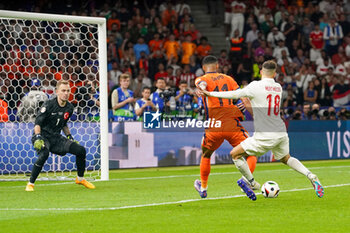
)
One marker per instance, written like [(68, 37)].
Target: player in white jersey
[(270, 130)]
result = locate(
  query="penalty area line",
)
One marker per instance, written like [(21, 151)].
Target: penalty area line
[(156, 204)]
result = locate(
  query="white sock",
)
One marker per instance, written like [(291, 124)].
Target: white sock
[(204, 189), (80, 178), (298, 166), (243, 167), (31, 183)]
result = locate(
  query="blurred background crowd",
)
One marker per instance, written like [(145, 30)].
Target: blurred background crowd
[(154, 53)]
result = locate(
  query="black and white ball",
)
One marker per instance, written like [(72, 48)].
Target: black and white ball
[(270, 189)]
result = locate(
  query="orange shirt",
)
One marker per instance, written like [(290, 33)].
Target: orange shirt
[(203, 51), (220, 109), (171, 48), (188, 49), (110, 22), (155, 45), (166, 16)]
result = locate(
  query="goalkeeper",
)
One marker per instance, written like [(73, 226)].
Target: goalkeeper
[(51, 119)]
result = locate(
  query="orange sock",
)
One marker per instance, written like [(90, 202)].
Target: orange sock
[(205, 170), (251, 160)]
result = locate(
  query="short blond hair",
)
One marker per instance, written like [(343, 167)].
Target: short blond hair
[(124, 76), (61, 82)]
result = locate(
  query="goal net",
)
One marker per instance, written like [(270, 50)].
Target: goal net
[(37, 50)]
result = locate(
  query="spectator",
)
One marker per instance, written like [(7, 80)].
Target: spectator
[(138, 85), (325, 95), (333, 34), (323, 68), (303, 77), (169, 74), (161, 72), (204, 49), (320, 60), (174, 64), (156, 43), (124, 16), (187, 76), (223, 59), (338, 57), (316, 42), (171, 47), (188, 49), (141, 46), (261, 50), (31, 102), (168, 13), (291, 31), (144, 104), (277, 52), (181, 7), (3, 111), (113, 20), (307, 28), (122, 100), (345, 24), (341, 93), (115, 73), (299, 59), (194, 66), (311, 94), (237, 18), (236, 50), (252, 35), (290, 100), (143, 62)]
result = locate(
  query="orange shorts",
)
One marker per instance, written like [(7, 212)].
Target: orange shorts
[(213, 140)]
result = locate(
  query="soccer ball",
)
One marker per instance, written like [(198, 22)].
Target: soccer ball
[(270, 189)]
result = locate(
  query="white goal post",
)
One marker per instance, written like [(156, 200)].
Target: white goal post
[(15, 20)]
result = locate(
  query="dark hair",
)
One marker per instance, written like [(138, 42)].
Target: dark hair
[(210, 59), (144, 88), (183, 82), (161, 79), (269, 65)]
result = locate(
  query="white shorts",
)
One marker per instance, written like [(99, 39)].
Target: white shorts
[(228, 17), (314, 54), (257, 147)]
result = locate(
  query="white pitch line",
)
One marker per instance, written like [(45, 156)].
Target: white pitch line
[(177, 176), (156, 204)]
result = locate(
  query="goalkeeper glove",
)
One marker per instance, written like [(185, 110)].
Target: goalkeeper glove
[(70, 137), (39, 143)]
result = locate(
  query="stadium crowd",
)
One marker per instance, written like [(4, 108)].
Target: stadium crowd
[(155, 53)]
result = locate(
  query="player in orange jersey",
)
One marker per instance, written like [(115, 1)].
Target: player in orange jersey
[(225, 111)]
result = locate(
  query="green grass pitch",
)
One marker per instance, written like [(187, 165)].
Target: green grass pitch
[(164, 200)]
